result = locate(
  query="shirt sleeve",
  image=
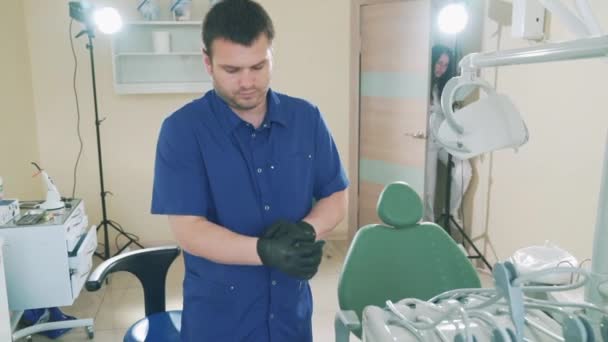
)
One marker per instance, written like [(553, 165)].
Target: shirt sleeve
[(180, 179), (329, 175)]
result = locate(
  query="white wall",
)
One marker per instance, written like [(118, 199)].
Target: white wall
[(311, 62), (549, 190), (18, 132)]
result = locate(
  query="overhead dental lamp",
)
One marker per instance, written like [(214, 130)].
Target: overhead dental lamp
[(453, 18), (493, 122)]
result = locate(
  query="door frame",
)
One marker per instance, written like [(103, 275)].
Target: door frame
[(354, 117)]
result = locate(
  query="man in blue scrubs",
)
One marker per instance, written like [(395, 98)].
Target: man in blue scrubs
[(237, 171)]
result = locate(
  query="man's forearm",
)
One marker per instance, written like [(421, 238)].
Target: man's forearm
[(327, 213), (206, 239)]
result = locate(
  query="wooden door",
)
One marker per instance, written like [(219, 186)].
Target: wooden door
[(393, 95)]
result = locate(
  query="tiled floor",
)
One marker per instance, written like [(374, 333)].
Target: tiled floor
[(116, 306)]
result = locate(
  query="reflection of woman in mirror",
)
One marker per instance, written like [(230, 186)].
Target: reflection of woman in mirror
[(441, 72)]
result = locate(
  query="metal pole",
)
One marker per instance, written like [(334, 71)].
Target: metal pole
[(104, 222), (551, 52), (448, 194)]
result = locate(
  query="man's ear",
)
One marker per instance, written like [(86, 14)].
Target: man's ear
[(207, 61)]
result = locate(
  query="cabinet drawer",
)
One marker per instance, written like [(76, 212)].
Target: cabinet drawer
[(76, 229), (81, 260), (84, 249)]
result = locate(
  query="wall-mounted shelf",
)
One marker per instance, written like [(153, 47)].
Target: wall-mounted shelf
[(139, 69)]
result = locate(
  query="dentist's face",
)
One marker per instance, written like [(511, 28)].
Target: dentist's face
[(241, 74)]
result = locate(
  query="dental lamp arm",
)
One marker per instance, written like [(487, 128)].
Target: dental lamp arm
[(472, 63)]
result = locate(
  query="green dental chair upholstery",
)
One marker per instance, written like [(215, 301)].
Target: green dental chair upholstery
[(401, 258)]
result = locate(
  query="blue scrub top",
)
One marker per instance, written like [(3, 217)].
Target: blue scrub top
[(211, 163)]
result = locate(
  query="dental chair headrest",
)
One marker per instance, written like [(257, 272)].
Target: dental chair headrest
[(399, 205)]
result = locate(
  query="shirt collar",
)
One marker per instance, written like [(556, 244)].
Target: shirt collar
[(231, 120)]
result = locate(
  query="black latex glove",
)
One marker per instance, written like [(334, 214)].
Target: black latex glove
[(301, 231), (283, 247)]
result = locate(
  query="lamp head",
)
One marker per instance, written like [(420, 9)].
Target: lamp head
[(106, 19), (81, 12)]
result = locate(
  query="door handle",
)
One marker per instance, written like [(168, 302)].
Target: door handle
[(418, 135)]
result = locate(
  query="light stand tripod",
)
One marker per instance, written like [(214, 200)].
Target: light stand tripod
[(449, 221), (105, 222)]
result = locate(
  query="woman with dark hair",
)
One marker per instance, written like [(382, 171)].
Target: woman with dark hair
[(441, 72)]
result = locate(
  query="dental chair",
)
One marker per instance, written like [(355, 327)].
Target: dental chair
[(150, 266), (401, 258)]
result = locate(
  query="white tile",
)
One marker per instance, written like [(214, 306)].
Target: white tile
[(175, 276), (86, 305), (120, 309), (79, 334), (324, 292), (324, 287), (323, 327), (174, 298)]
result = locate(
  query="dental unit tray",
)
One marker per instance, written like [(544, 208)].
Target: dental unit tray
[(510, 312)]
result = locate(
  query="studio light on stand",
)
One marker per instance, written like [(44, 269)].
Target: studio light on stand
[(108, 21), (452, 19)]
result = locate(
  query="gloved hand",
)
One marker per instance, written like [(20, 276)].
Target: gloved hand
[(291, 249), (301, 231)]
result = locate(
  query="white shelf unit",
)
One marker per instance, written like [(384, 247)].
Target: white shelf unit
[(138, 69)]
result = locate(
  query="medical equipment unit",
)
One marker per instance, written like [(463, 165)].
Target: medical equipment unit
[(53, 198), (9, 209), (47, 264), (5, 326), (517, 309)]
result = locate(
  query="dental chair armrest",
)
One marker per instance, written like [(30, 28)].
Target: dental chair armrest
[(349, 319), (129, 262), (149, 265), (345, 322)]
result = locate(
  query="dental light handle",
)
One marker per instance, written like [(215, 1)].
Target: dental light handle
[(449, 94), (53, 198), (595, 291)]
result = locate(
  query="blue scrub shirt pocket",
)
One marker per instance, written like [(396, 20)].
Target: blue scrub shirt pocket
[(211, 306)]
